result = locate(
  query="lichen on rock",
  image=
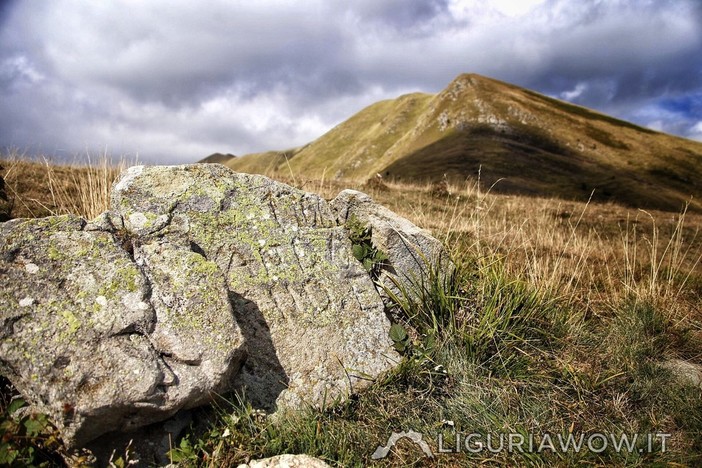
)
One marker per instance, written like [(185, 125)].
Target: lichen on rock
[(68, 339), (197, 281), (297, 292), (78, 332)]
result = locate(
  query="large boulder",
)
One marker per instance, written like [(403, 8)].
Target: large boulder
[(82, 330), (315, 326), (197, 281)]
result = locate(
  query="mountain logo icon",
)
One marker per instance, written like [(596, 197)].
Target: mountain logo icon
[(416, 437)]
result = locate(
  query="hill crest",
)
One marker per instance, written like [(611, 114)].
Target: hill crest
[(218, 158), (529, 142)]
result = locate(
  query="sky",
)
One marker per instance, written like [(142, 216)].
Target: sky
[(172, 81)]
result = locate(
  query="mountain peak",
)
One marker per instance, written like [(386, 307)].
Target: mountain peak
[(475, 79), (472, 77), (528, 142)]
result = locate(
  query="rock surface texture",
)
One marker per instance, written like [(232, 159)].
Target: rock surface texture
[(197, 281), (82, 332), (411, 251), (298, 294), (286, 461), (685, 371)]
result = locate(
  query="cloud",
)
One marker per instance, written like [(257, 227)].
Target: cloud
[(696, 131), (175, 80), (681, 115)]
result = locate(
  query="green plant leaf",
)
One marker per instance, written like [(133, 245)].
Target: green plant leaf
[(430, 342), (15, 405), (358, 251), (398, 333), (8, 454), (35, 424), (8, 426), (400, 346)]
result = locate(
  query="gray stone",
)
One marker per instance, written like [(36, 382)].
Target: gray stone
[(297, 292), (197, 281), (81, 340), (411, 251), (286, 461), (685, 371)]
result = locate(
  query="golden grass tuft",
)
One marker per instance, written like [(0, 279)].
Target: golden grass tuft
[(42, 187)]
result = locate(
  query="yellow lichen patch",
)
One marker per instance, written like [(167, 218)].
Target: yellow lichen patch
[(71, 320)]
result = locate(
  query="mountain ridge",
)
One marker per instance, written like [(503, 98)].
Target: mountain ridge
[(218, 158), (516, 139)]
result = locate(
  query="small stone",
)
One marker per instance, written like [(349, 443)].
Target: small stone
[(685, 371), (286, 461), (26, 302)]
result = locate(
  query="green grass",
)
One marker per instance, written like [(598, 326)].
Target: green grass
[(559, 318), (488, 355)]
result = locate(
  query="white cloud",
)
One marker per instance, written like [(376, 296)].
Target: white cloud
[(176, 80), (574, 93), (696, 131), (512, 8)]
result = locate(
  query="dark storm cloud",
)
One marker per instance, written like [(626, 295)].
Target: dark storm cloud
[(624, 57), (177, 80), (183, 54), (399, 15)]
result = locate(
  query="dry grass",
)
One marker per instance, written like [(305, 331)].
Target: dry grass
[(42, 188), (585, 253), (566, 313)]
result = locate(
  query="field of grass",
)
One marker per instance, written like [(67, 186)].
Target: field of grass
[(562, 318)]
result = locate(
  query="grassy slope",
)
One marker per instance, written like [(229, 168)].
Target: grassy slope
[(348, 149), (218, 158), (560, 320), (532, 143)]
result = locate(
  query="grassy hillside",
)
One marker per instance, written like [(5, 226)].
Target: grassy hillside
[(263, 163), (562, 318), (530, 143), (218, 158)]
